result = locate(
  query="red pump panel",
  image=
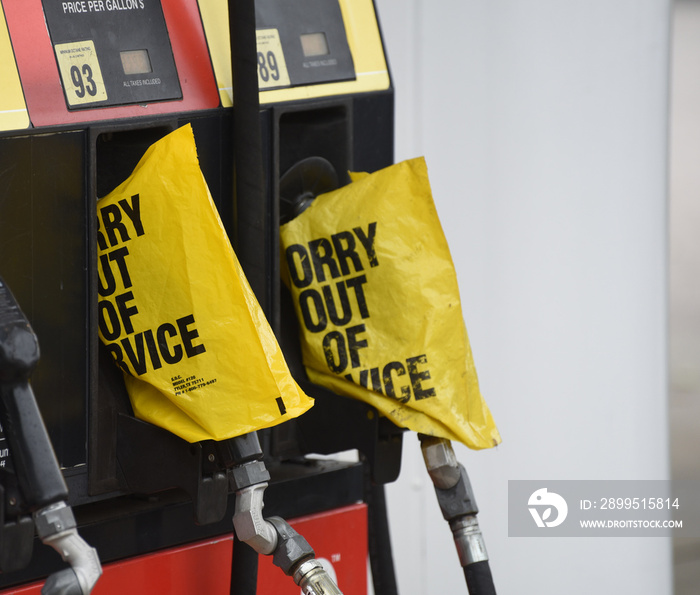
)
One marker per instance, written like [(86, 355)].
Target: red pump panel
[(339, 538), (42, 84), (202, 567)]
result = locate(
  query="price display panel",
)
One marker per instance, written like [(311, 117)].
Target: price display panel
[(112, 52), (301, 43)]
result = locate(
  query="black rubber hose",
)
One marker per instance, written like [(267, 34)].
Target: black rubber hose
[(479, 579), (250, 207), (244, 569), (379, 540)]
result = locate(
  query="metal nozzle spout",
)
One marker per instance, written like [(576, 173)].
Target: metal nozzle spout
[(314, 580)]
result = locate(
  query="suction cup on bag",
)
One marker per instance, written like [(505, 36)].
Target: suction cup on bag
[(303, 182)]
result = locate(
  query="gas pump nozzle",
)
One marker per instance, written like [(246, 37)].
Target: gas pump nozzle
[(41, 484), (458, 505), (272, 536), (55, 525)]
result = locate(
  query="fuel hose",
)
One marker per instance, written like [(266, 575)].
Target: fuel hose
[(458, 506), (249, 204), (379, 540), (479, 579)]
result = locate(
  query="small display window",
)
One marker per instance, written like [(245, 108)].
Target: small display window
[(136, 62), (314, 44)]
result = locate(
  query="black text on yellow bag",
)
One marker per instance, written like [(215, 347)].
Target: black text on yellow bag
[(376, 295), (176, 311)]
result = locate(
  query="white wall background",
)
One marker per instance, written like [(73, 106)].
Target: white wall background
[(544, 125)]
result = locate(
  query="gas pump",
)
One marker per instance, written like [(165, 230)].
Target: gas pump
[(283, 102), (87, 88)]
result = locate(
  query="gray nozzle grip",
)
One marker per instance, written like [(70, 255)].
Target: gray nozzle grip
[(63, 582)]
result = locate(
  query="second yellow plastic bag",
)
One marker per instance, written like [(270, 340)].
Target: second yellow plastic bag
[(176, 311), (376, 294)]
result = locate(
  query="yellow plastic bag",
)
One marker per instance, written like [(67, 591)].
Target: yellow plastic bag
[(376, 295), (176, 311)]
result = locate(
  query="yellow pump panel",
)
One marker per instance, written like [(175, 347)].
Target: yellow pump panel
[(363, 37), (13, 109)]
